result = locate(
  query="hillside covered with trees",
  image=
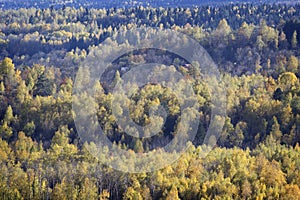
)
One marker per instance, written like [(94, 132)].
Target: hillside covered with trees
[(257, 156)]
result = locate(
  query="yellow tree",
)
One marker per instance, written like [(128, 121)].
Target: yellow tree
[(60, 146), (293, 63), (287, 80), (294, 41), (6, 130)]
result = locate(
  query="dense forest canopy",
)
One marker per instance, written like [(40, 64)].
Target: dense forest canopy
[(9, 4), (58, 34), (257, 156)]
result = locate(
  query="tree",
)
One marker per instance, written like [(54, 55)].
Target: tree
[(294, 41), (286, 117), (173, 194), (237, 137), (275, 130), (290, 138), (44, 86), (227, 132), (29, 128), (223, 28), (58, 192), (260, 43), (293, 63), (269, 34), (131, 194), (272, 175), (5, 151), (22, 93), (60, 146), (6, 68), (104, 195), (2, 88), (24, 148), (6, 130), (246, 31), (8, 117), (117, 79), (278, 94), (246, 190), (287, 80), (296, 104), (292, 191), (7, 75), (138, 147), (88, 190)]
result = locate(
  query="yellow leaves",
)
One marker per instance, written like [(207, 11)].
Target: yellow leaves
[(246, 30), (294, 40), (5, 131), (223, 28), (104, 195), (58, 192), (9, 117), (286, 115), (246, 189), (270, 172), (131, 194), (293, 64), (172, 194), (204, 188), (60, 144), (4, 151), (292, 191), (3, 156), (23, 147), (159, 177), (287, 80), (14, 26), (22, 92), (6, 66)]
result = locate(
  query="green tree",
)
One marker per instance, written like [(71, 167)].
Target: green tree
[(228, 130), (29, 128), (45, 85)]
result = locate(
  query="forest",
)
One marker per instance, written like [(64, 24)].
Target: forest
[(257, 156)]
